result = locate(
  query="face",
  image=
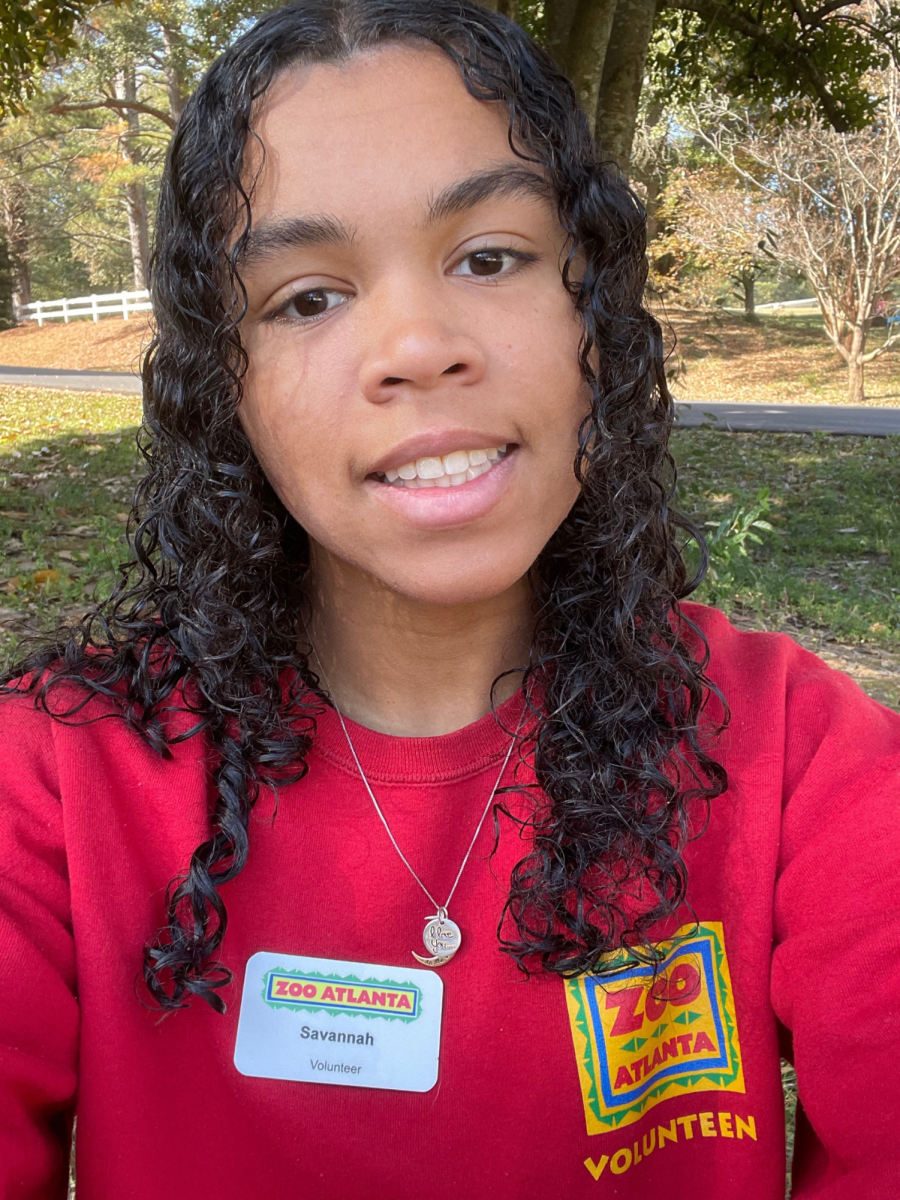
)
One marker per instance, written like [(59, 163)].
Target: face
[(413, 393)]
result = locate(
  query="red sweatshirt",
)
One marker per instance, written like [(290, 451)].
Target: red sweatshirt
[(545, 1090)]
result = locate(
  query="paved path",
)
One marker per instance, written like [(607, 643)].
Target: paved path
[(83, 381), (791, 418), (775, 418)]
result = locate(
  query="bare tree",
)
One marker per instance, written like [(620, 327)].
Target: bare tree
[(833, 200), (730, 224)]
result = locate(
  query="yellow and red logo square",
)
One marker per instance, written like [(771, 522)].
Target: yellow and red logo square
[(643, 1035)]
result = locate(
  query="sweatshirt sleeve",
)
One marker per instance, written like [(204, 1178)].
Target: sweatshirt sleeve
[(39, 1016), (836, 962)]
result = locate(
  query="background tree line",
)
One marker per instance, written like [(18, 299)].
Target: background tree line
[(719, 111)]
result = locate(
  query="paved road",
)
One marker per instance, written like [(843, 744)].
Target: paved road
[(83, 381), (740, 418), (792, 418)]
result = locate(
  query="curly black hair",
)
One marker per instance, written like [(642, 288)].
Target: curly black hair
[(204, 616)]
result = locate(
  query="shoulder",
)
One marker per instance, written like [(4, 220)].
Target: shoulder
[(780, 694), (773, 662)]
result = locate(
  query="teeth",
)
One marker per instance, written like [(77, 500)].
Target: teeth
[(460, 466), (456, 462), (429, 468)]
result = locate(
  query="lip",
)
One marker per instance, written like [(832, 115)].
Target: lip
[(436, 444), (449, 508)]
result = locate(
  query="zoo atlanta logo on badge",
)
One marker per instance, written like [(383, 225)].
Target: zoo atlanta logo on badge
[(642, 1038), (348, 994)]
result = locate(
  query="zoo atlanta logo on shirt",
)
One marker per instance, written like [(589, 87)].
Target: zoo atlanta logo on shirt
[(641, 1038)]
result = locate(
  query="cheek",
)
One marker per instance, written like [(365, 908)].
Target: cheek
[(289, 420)]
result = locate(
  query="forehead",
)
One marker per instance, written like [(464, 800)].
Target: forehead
[(385, 129)]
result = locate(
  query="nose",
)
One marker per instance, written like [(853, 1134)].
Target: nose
[(420, 355)]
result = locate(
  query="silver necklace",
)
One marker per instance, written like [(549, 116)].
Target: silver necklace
[(442, 937)]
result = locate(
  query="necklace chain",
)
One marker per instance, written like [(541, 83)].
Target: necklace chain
[(440, 909)]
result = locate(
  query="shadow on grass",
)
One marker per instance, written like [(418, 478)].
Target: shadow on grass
[(64, 503)]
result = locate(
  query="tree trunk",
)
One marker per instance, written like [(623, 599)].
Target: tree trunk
[(559, 17), (135, 191), (587, 51), (15, 224), (653, 189), (138, 233), (623, 78), (177, 87), (856, 392), (748, 286)]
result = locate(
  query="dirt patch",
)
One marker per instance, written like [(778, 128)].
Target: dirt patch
[(111, 344)]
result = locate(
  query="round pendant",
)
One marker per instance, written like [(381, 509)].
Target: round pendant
[(442, 938)]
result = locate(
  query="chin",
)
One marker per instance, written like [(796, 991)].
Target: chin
[(448, 587)]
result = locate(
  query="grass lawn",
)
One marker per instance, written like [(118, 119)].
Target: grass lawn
[(829, 574), (68, 467)]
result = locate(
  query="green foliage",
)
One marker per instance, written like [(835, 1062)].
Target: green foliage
[(74, 153), (729, 545), (532, 16), (32, 33), (768, 57)]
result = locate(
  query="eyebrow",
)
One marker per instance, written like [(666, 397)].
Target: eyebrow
[(508, 179), (271, 238)]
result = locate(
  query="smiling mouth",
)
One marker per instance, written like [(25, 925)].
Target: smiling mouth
[(447, 470)]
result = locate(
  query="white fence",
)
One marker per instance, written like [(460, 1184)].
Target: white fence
[(115, 304), (776, 305)]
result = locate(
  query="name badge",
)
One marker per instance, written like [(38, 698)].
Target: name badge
[(322, 1020)]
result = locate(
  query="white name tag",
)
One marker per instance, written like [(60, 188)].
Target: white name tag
[(321, 1020)]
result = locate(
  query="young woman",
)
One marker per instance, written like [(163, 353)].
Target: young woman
[(404, 649)]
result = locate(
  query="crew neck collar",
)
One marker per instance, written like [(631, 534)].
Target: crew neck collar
[(419, 760)]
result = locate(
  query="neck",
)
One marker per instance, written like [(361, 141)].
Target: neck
[(408, 668)]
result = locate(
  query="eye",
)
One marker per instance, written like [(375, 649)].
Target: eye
[(492, 261), (309, 305)]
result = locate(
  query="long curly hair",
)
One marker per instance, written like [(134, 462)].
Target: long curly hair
[(204, 616)]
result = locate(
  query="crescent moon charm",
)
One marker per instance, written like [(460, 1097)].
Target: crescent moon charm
[(432, 962), (442, 937)]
